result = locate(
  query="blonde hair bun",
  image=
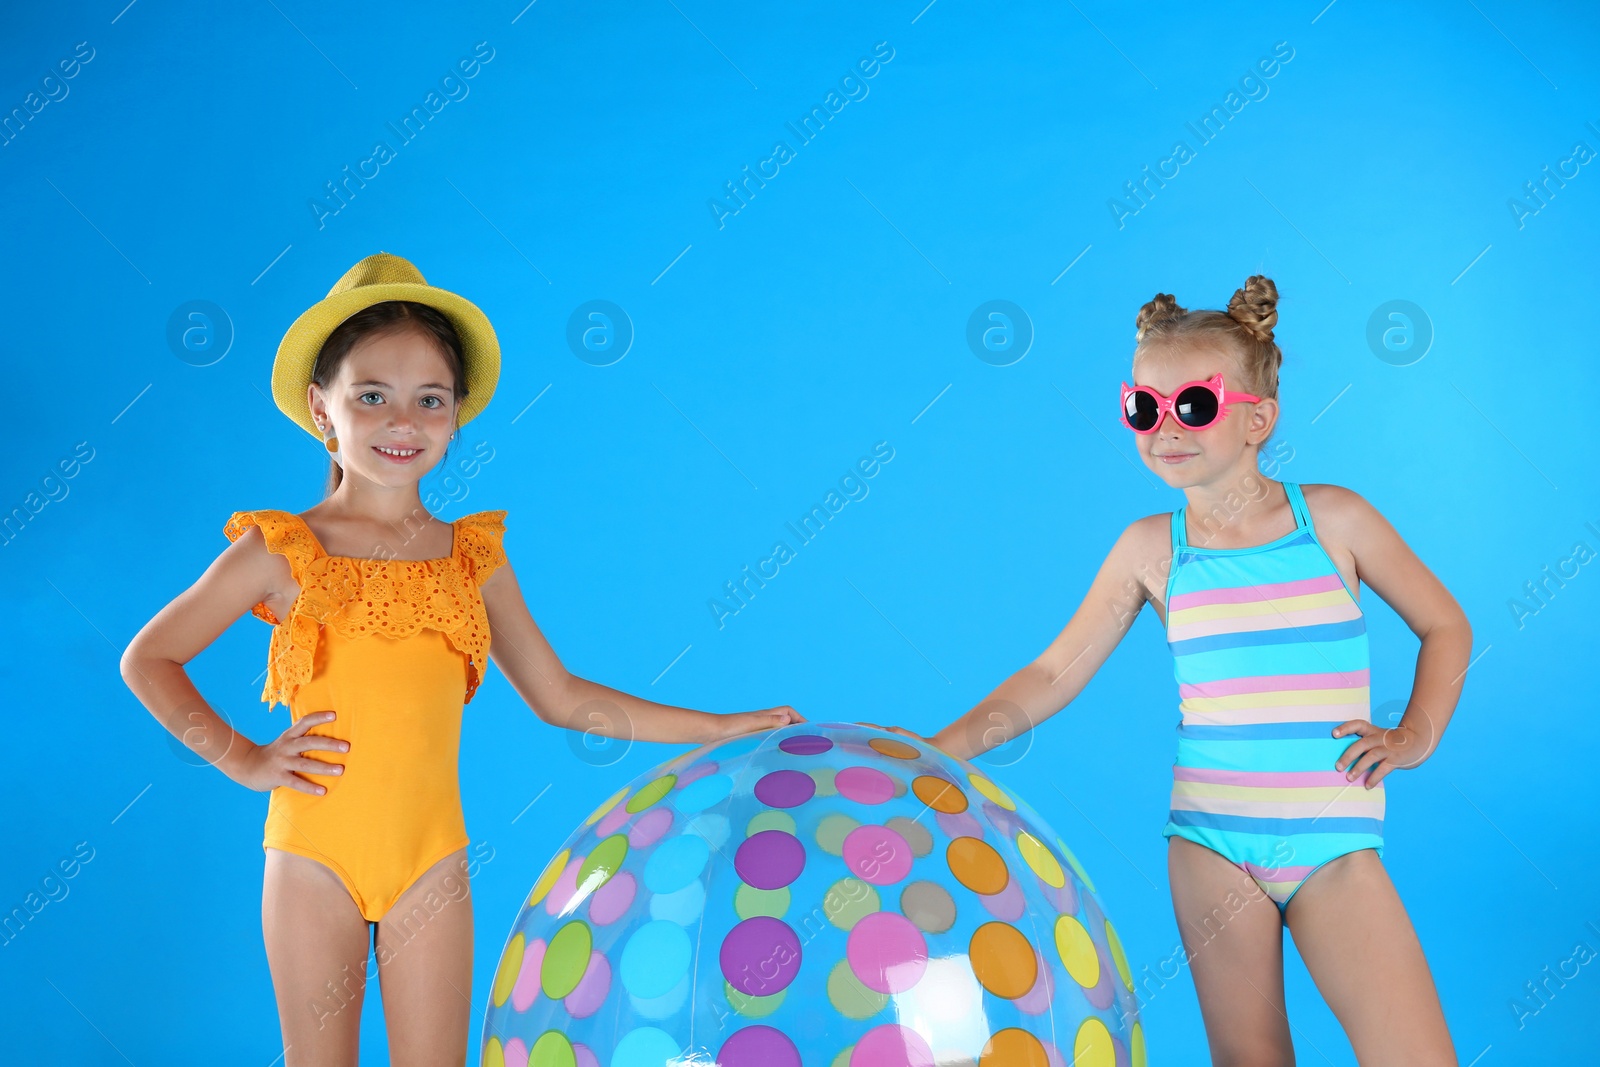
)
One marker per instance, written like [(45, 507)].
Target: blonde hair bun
[(1255, 307), (1162, 308)]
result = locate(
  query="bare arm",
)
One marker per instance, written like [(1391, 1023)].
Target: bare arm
[(152, 666), (1386, 563), (1059, 674), (519, 649)]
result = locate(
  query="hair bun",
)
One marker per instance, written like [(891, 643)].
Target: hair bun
[(1163, 307), (1255, 307)]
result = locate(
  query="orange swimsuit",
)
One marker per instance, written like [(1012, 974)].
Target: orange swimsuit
[(396, 649)]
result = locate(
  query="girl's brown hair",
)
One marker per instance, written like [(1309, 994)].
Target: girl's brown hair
[(389, 316), (1245, 330)]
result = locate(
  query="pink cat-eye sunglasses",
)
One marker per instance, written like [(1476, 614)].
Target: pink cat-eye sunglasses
[(1196, 405)]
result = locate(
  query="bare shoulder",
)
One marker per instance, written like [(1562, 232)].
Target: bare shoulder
[(1153, 530), (1342, 517), (248, 568), (268, 572), (1350, 529), (1139, 560), (1335, 501), (242, 575), (1150, 540), (502, 581), (250, 553), (1131, 574)]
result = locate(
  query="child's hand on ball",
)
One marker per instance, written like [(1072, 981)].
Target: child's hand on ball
[(899, 730), (745, 722)]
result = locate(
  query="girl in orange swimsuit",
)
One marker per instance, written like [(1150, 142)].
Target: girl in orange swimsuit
[(375, 653)]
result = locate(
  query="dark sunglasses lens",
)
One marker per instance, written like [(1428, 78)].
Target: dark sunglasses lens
[(1196, 407), (1140, 408)]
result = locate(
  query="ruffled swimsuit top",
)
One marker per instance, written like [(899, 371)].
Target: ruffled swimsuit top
[(356, 598)]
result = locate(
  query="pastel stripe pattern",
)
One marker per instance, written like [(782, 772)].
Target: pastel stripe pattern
[(1270, 654)]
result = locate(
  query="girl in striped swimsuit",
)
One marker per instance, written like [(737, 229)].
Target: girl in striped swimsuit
[(1277, 799)]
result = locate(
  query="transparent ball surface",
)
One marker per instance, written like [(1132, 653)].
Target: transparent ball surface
[(823, 894)]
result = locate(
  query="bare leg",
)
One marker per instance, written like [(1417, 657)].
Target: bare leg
[(1362, 952), (425, 967), (317, 944), (1233, 936)]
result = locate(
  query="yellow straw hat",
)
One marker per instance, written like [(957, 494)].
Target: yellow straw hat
[(377, 278)]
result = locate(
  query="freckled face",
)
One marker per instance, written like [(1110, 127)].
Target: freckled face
[(1180, 455), (391, 395)]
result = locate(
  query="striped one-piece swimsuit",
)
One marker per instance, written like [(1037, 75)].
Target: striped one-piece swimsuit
[(1270, 652)]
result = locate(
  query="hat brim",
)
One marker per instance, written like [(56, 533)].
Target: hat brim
[(303, 341)]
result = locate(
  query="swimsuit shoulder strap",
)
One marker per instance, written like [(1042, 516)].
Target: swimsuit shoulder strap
[(1297, 501), (1179, 543)]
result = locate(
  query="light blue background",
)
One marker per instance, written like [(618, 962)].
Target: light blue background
[(827, 315)]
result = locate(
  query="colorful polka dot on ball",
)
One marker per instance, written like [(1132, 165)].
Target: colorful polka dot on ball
[(823, 893)]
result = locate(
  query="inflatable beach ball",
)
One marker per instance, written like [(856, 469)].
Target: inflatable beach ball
[(824, 894)]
